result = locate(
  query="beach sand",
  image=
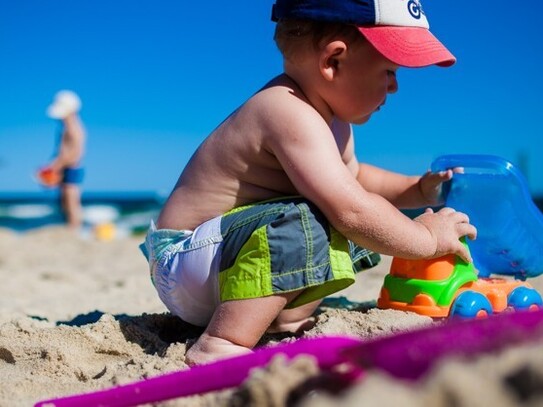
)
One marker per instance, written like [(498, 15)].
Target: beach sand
[(77, 315)]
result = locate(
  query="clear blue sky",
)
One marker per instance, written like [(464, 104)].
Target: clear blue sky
[(156, 77)]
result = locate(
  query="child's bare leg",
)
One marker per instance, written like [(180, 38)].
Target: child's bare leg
[(295, 319), (71, 203), (236, 327)]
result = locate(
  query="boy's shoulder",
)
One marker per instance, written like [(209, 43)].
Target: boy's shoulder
[(281, 103), (279, 119)]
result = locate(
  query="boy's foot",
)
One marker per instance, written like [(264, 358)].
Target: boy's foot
[(295, 327), (210, 349), (295, 320)]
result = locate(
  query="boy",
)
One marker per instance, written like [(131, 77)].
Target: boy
[(260, 224), (70, 149)]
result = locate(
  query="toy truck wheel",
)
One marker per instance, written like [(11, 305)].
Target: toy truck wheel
[(470, 304), (524, 298)]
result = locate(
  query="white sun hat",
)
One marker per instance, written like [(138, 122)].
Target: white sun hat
[(65, 103)]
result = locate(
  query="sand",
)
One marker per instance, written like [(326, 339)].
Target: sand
[(77, 315)]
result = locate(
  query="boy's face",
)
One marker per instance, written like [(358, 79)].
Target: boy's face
[(364, 79)]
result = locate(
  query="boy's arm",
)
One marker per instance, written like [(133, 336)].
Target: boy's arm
[(405, 191), (401, 190), (305, 146)]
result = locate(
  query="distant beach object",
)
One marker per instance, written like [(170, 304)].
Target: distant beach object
[(100, 214), (408, 355), (105, 231), (48, 177), (64, 103)]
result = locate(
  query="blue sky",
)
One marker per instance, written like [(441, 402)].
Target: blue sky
[(156, 77)]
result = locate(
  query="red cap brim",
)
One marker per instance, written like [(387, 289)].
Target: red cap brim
[(408, 46)]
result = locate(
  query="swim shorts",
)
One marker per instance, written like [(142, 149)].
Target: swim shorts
[(73, 175), (253, 251)]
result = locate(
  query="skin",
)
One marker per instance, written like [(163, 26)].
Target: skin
[(69, 155), (294, 137)]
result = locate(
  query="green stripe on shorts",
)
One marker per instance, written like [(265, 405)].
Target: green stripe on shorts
[(250, 276)]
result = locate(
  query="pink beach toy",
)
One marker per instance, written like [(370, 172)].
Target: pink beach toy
[(411, 355), (407, 355), (216, 376)]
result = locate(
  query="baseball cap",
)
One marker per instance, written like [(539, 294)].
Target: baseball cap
[(65, 103), (398, 29)]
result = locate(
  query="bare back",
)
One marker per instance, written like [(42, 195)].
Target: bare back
[(236, 164)]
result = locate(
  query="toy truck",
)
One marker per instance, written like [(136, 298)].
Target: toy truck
[(448, 286)]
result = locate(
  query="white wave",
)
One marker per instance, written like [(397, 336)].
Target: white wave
[(29, 211), (96, 214)]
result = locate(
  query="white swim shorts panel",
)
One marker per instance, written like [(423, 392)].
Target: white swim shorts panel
[(188, 282)]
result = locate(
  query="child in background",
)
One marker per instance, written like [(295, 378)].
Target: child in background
[(272, 211), (64, 170)]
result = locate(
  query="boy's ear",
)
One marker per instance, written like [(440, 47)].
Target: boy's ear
[(330, 59)]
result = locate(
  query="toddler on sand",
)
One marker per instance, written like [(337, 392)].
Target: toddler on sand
[(272, 211)]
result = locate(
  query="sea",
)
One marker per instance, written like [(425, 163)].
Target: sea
[(129, 212)]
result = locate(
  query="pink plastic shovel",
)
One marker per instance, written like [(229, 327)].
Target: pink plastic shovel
[(205, 378), (407, 355)]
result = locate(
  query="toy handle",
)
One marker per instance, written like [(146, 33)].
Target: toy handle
[(474, 163), (480, 164)]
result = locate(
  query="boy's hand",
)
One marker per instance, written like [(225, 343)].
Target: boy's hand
[(447, 227), (430, 185)]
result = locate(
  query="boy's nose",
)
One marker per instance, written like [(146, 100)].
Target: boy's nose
[(392, 85)]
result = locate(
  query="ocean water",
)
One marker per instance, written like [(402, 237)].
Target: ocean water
[(130, 212)]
